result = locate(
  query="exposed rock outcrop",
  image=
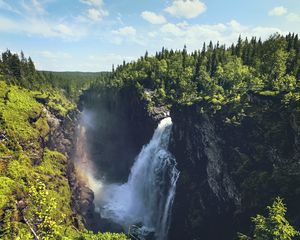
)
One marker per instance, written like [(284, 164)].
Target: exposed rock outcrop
[(62, 138), (205, 195)]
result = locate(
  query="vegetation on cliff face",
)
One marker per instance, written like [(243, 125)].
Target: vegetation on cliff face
[(35, 197), (275, 226), (33, 176)]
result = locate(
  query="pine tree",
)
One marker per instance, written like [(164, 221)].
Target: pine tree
[(238, 48), (275, 226)]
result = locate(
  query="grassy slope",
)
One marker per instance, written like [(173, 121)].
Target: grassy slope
[(33, 182)]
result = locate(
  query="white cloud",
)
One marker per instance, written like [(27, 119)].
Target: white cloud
[(64, 30), (278, 11), (63, 61), (125, 34), (54, 55), (153, 18), (172, 29), (293, 17), (127, 31), (110, 57), (33, 7), (38, 6), (176, 35), (96, 15), (36, 26), (152, 34), (289, 16), (95, 3), (96, 11), (186, 8), (236, 26)]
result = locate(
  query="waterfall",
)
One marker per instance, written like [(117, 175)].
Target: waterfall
[(147, 197)]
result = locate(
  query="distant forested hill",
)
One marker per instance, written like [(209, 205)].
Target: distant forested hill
[(72, 82), (19, 70)]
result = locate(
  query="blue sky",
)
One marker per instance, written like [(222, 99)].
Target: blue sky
[(91, 35)]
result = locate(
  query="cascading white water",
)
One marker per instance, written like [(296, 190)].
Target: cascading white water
[(147, 197)]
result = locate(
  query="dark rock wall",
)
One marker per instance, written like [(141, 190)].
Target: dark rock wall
[(231, 172), (205, 194), (119, 126)]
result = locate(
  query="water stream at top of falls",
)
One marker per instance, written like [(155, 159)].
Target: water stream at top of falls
[(147, 197)]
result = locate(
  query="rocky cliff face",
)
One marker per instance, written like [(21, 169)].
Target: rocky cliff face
[(62, 138), (230, 172), (206, 195)]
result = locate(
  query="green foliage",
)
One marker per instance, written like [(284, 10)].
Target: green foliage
[(6, 189), (33, 182), (275, 226), (16, 107), (216, 76), (42, 126), (73, 83), (59, 103), (102, 236), (53, 163), (42, 212), (19, 70)]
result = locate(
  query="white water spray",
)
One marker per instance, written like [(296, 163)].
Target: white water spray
[(147, 197), (84, 167)]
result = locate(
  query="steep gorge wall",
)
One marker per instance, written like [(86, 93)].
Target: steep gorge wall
[(206, 195), (62, 138), (230, 172)]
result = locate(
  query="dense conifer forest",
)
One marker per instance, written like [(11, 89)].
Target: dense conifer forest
[(216, 74)]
